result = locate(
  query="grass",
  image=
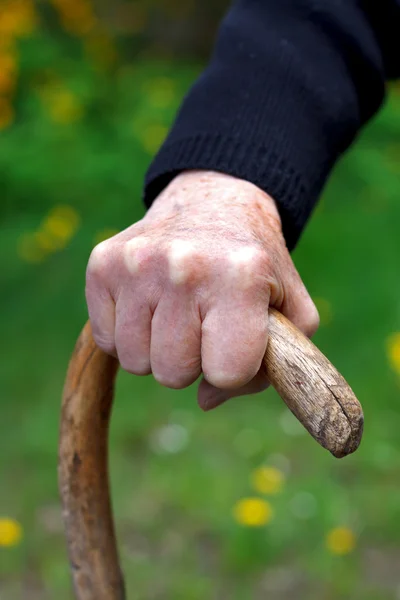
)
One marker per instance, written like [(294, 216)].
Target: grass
[(177, 473)]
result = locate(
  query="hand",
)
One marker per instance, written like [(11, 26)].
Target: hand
[(186, 290)]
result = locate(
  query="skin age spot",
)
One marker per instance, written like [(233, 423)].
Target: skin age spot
[(178, 257), (131, 257)]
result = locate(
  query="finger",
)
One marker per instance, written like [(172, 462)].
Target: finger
[(234, 340), (298, 306), (175, 341), (132, 332), (101, 306), (209, 396)]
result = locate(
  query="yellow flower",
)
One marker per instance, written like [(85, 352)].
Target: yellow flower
[(104, 234), (64, 107), (61, 224), (58, 227), (324, 308), (7, 43), (267, 480), (6, 114), (393, 351), (340, 540), (10, 532), (152, 137), (47, 242), (8, 68), (17, 18), (77, 16), (7, 82), (253, 512), (75, 25)]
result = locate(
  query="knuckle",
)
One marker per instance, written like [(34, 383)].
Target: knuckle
[(248, 263), (247, 256), (182, 258), (136, 253), (262, 259), (99, 258)]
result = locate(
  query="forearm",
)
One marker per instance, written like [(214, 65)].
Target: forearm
[(287, 89)]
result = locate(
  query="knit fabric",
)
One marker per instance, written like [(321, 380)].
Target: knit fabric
[(288, 87)]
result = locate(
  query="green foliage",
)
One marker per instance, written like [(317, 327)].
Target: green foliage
[(82, 138)]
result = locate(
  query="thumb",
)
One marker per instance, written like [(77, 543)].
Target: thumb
[(209, 396)]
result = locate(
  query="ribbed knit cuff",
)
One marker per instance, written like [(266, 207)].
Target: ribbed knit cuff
[(287, 89), (254, 163)]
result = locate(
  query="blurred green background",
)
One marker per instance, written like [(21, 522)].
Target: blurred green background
[(239, 503)]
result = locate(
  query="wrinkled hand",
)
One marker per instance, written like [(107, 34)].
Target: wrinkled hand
[(186, 290)]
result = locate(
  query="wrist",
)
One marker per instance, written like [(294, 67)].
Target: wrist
[(216, 189)]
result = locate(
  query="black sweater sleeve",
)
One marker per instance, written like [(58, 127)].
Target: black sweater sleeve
[(289, 85)]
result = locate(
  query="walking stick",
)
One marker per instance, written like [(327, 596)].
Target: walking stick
[(309, 384)]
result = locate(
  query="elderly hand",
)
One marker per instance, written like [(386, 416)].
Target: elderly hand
[(186, 290)]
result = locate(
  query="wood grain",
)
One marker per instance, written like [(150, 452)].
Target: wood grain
[(312, 388), (309, 384), (83, 472)]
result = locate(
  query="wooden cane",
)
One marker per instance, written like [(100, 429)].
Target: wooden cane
[(309, 384)]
